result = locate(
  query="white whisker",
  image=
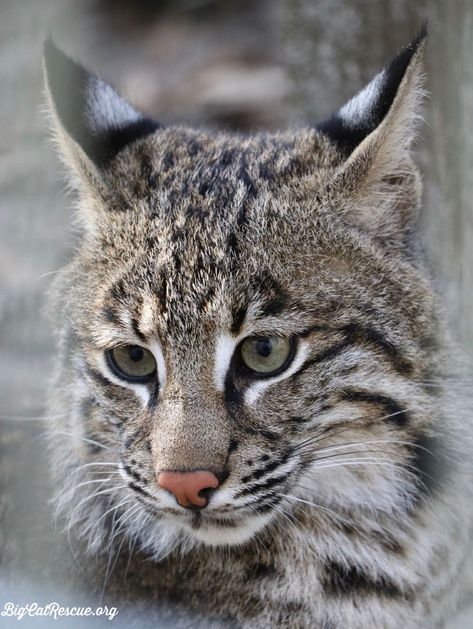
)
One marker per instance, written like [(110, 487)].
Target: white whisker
[(326, 510), (92, 441)]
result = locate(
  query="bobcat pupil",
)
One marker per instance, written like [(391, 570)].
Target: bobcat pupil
[(264, 347), (136, 353)]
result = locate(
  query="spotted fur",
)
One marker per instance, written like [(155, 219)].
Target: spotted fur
[(344, 484)]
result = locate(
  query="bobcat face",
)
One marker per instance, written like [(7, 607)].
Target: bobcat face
[(247, 325)]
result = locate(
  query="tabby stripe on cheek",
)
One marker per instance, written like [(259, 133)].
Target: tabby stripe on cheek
[(149, 506), (326, 355), (356, 335), (99, 378), (267, 504), (359, 333), (270, 467), (277, 480), (233, 396), (140, 433), (255, 502), (139, 490), (153, 398), (133, 473), (119, 391), (392, 411)]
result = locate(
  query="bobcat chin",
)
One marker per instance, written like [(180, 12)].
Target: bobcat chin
[(252, 382)]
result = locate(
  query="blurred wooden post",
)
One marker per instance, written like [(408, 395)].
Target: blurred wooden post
[(332, 47), (449, 229)]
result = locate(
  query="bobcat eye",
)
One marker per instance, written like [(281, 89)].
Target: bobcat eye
[(266, 355), (132, 363)]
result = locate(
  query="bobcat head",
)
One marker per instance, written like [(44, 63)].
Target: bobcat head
[(246, 324)]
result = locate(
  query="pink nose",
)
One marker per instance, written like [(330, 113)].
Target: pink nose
[(187, 486)]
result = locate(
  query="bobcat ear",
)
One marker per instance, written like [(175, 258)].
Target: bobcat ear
[(361, 115), (374, 132), (92, 121)]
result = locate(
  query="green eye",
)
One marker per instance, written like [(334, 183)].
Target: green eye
[(132, 363), (266, 355)]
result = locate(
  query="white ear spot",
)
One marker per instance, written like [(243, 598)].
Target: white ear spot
[(224, 348), (105, 108), (359, 109)]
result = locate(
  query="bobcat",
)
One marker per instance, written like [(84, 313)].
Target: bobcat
[(253, 376)]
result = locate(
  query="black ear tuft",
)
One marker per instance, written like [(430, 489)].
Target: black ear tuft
[(363, 113), (99, 120)]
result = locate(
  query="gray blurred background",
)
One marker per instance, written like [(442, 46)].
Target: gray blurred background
[(236, 64)]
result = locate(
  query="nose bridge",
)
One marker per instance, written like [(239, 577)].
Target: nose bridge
[(191, 431)]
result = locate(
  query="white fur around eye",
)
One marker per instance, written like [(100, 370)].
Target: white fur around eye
[(155, 348), (224, 348), (256, 389), (140, 390)]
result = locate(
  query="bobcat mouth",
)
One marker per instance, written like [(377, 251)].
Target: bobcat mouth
[(199, 520), (217, 531)]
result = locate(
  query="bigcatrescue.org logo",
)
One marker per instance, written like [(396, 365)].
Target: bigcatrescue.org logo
[(55, 611)]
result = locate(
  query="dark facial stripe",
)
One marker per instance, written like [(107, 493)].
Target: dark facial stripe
[(262, 570), (99, 378), (233, 445), (361, 334), (109, 389), (331, 352), (119, 392), (136, 329), (137, 434), (258, 504), (275, 298), (153, 398), (233, 395), (238, 316), (341, 581), (270, 467), (110, 314), (118, 290), (267, 504), (162, 291), (391, 409), (270, 435), (358, 335), (139, 489), (87, 405), (150, 507), (271, 482), (133, 473), (274, 305)]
